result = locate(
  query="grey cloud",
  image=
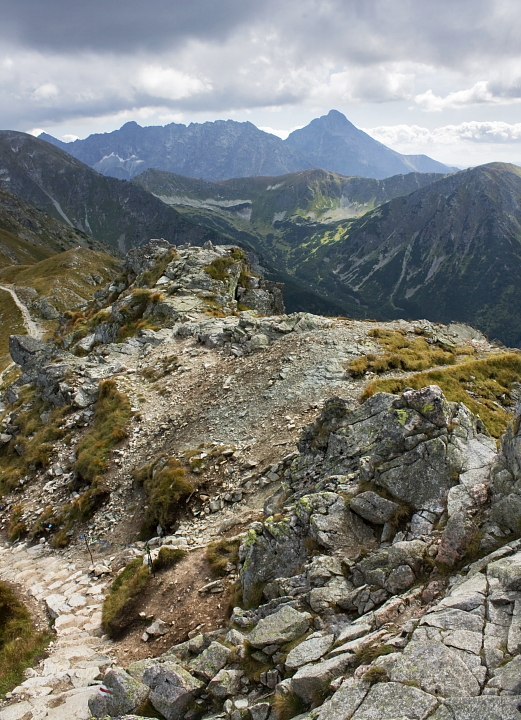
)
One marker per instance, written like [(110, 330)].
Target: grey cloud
[(363, 31), (103, 57), (119, 25)]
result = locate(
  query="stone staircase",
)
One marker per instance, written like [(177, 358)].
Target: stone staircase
[(60, 687)]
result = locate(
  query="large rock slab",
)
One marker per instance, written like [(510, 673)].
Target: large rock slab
[(483, 708), (309, 651), (210, 661), (393, 700), (310, 681), (508, 571), (415, 446), (343, 704), (286, 625), (225, 684), (508, 677), (436, 669), (374, 508)]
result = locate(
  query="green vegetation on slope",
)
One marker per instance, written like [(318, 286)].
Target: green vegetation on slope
[(124, 592), (482, 385), (68, 279), (11, 323), (32, 447), (20, 643), (166, 485), (28, 235), (403, 353), (109, 428)]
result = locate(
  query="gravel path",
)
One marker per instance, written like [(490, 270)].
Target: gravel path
[(33, 329)]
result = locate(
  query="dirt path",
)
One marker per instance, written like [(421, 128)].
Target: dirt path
[(33, 329)]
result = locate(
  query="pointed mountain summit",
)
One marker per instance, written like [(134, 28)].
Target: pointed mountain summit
[(334, 143)]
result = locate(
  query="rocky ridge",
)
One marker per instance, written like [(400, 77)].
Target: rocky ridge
[(365, 592)]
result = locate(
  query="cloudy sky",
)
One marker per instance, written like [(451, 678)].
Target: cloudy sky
[(438, 77)]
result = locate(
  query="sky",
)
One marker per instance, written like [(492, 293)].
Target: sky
[(436, 77)]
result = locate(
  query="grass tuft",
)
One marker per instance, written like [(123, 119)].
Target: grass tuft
[(17, 527), (403, 353), (32, 447), (117, 612), (108, 429), (148, 278), (288, 705), (219, 269), (167, 558), (222, 552), (165, 483)]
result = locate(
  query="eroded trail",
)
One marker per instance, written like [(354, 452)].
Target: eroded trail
[(33, 329)]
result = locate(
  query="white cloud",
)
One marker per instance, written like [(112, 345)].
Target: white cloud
[(47, 91), (468, 132), (468, 143), (169, 83), (69, 138), (283, 134), (481, 93)]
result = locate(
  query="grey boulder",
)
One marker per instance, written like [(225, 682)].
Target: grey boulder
[(286, 625), (119, 694)]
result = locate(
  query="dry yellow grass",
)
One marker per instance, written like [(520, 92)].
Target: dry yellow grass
[(482, 385)]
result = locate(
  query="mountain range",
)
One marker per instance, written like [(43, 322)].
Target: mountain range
[(440, 246), (227, 149)]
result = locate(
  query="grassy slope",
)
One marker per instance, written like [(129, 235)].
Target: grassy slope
[(11, 323), (14, 249), (64, 278), (116, 212)]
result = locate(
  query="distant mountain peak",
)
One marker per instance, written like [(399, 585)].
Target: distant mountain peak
[(225, 149), (335, 120)]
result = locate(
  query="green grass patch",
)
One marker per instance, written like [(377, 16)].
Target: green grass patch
[(11, 322), (404, 353), (251, 666), (166, 485), (20, 643), (119, 604), (109, 428), (222, 552), (288, 705), (219, 269), (368, 653), (16, 528), (168, 558), (482, 385)]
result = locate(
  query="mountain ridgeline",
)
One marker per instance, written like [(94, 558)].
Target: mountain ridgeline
[(448, 251), (119, 214), (418, 245), (227, 149)]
